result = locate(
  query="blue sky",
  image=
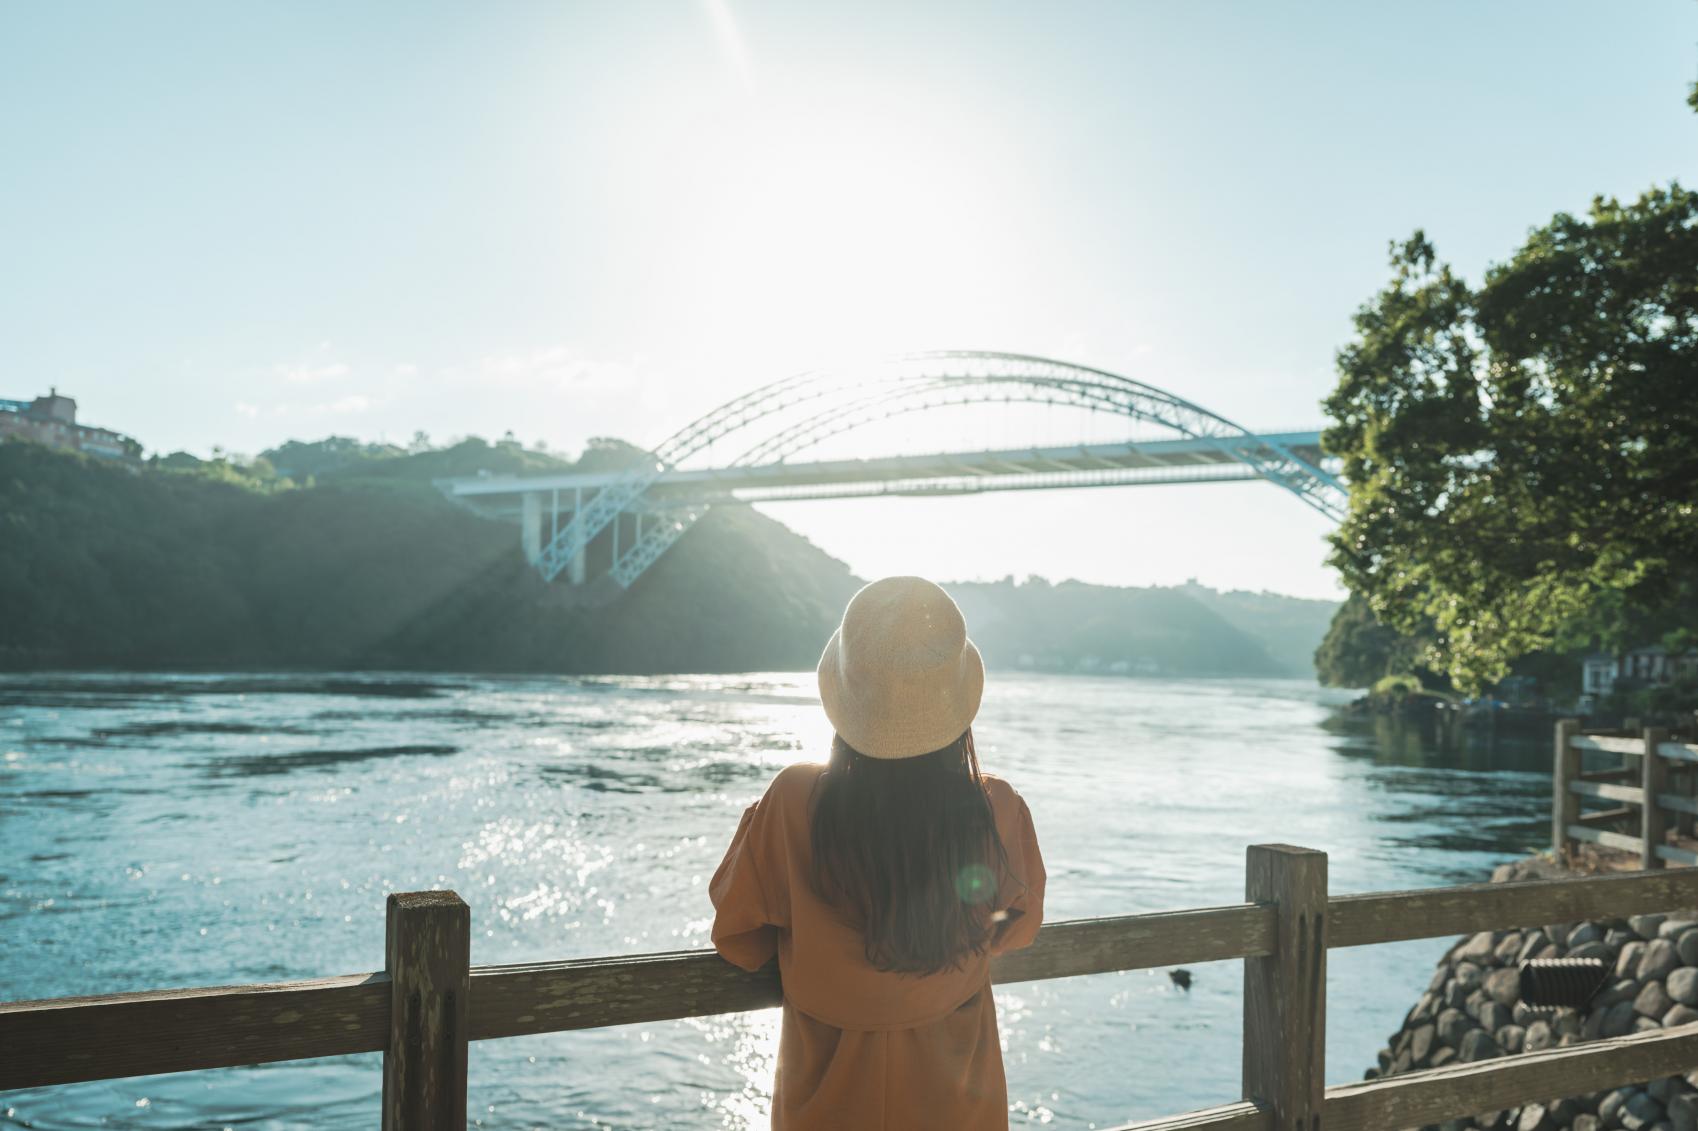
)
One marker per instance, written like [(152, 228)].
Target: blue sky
[(238, 223)]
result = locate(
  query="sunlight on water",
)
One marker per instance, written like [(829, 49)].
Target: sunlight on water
[(161, 831)]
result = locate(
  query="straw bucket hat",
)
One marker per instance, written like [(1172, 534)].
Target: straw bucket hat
[(899, 678)]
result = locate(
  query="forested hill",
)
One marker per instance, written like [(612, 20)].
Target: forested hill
[(339, 555), (1189, 630)]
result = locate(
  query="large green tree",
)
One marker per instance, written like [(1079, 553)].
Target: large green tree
[(1523, 455)]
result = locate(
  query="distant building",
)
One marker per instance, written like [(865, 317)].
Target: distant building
[(1650, 665), (52, 421)]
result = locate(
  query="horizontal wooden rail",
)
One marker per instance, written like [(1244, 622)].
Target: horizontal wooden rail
[(1608, 775), (1678, 751), (1608, 791), (1607, 816), (72, 1039), (64, 1040), (1606, 838), (1241, 1116), (1381, 917), (69, 1039), (1601, 744), (1438, 1094)]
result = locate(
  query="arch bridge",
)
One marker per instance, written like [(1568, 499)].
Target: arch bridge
[(627, 518)]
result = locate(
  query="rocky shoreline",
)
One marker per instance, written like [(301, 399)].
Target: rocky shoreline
[(1472, 1010)]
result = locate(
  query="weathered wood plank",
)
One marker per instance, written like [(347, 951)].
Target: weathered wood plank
[(1607, 791), (1141, 942), (546, 997), (1678, 751), (1285, 993), (1438, 1094), (1677, 855), (1675, 803), (428, 956), (1228, 1117), (65, 1040), (1605, 837), (1653, 820), (1608, 816), (1606, 745), (1360, 920), (1565, 768), (1620, 774)]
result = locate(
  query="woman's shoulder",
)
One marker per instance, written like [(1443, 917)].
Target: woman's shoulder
[(1005, 800), (795, 780)]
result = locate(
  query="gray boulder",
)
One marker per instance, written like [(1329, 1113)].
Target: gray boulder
[(1534, 1117), (1674, 928), (1653, 1001), (1508, 947), (1504, 986), (1597, 948), (1421, 1044), (1452, 1024), (1477, 1044), (1583, 934), (1687, 946), (1611, 1105), (1659, 960), (1618, 1020), (1493, 1016), (1538, 1036), (1511, 1039), (1624, 989), (1682, 984), (1641, 1112), (1645, 926), (1683, 1111), (1627, 960), (1679, 1015), (1477, 949)]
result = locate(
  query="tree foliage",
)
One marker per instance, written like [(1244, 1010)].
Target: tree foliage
[(1523, 456)]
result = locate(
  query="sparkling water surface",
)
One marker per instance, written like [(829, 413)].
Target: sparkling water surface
[(161, 831)]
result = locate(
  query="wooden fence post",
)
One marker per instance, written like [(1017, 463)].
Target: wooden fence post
[(1653, 818), (1565, 803), (1285, 993), (427, 953)]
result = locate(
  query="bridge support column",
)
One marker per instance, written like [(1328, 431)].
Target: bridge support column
[(579, 568), (530, 525)]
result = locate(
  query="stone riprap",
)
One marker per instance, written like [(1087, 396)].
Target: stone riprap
[(1472, 1010)]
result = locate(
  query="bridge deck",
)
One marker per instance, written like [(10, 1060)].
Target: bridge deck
[(1113, 464)]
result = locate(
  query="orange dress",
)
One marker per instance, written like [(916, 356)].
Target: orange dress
[(863, 1049)]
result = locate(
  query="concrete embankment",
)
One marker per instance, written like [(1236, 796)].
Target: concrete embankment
[(1472, 1010)]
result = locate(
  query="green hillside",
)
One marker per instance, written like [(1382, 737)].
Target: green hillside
[(343, 555), (102, 566)]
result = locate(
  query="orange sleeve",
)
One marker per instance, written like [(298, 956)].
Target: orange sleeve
[(743, 930), (1020, 892)]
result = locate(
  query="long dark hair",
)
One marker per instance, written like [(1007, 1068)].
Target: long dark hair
[(908, 850)]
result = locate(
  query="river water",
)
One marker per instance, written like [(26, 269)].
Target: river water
[(161, 831)]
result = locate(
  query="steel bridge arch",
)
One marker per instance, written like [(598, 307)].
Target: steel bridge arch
[(839, 400)]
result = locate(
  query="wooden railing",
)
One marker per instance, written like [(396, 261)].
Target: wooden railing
[(421, 1011), (1640, 786)]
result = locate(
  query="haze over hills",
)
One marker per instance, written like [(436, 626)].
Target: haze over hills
[(342, 555)]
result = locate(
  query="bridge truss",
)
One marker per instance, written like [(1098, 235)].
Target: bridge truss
[(785, 418)]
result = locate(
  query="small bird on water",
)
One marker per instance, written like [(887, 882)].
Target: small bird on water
[(1181, 978)]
